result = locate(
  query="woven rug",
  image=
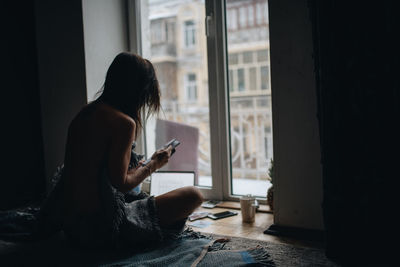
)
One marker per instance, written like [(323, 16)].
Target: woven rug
[(191, 249), (281, 254)]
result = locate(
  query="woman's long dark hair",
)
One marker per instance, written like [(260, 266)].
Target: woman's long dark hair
[(131, 85)]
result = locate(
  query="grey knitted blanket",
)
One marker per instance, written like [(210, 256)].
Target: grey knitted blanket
[(128, 223)]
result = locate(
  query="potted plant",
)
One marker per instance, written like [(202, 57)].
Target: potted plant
[(270, 192)]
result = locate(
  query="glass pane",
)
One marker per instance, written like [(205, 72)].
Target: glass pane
[(264, 78), (169, 28), (242, 17), (232, 22), (253, 78), (247, 57), (191, 87), (240, 76), (250, 96), (230, 80), (233, 59), (190, 33), (262, 55)]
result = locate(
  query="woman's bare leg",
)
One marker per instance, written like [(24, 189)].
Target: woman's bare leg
[(177, 204)]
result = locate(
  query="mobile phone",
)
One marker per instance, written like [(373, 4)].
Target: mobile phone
[(210, 204), (220, 215), (197, 215), (174, 143)]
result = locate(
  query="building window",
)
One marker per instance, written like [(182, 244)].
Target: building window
[(241, 80), (242, 17), (162, 31), (250, 11), (247, 57), (231, 85), (253, 78), (262, 55), (265, 13), (264, 77), (170, 32), (233, 58), (191, 87), (232, 21), (248, 72), (189, 33), (259, 14), (267, 142), (156, 32)]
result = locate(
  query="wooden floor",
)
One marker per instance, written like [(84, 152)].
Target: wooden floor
[(233, 226)]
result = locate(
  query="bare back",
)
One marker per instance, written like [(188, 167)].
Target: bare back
[(88, 142)]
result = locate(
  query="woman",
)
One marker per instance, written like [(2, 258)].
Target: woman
[(100, 169)]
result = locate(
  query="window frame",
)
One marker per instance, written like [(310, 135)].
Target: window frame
[(217, 58), (190, 87), (189, 34), (219, 100)]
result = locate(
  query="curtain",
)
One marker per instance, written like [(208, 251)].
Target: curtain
[(357, 58)]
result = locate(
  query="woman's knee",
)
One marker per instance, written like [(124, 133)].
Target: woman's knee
[(193, 195)]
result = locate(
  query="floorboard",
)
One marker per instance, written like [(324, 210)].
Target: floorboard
[(233, 226)]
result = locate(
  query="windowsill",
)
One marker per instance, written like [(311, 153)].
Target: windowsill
[(236, 205)]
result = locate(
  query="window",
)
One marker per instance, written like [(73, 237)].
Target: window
[(250, 109), (184, 99), (190, 33), (262, 55), (265, 13), (242, 17), (191, 88), (248, 72), (233, 59), (250, 15), (253, 78), (156, 32), (232, 22), (170, 32), (259, 14), (218, 93), (262, 13), (241, 83), (267, 142), (264, 78), (162, 31), (231, 80), (248, 57)]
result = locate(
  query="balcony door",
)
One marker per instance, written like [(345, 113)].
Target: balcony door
[(212, 63)]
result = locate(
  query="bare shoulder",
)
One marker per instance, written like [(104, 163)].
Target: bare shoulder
[(124, 123), (119, 121)]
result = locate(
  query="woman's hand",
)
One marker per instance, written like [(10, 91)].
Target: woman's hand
[(130, 171), (161, 157)]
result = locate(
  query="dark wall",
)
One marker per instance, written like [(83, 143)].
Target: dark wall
[(22, 173), (357, 62), (61, 72)]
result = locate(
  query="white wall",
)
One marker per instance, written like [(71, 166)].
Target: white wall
[(61, 71), (298, 173), (105, 34)]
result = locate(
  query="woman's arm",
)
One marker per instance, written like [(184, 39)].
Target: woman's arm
[(122, 138), (137, 175)]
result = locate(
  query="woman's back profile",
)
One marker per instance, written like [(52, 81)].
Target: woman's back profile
[(95, 204), (88, 141)]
